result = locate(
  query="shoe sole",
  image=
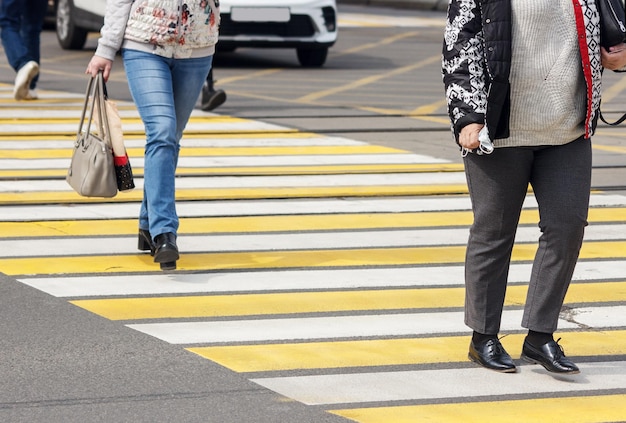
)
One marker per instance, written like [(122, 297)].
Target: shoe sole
[(21, 92), (171, 265), (215, 102), (511, 370), (533, 361)]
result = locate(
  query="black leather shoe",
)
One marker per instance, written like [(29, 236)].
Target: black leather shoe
[(166, 250), (491, 355), (550, 355), (145, 242), (211, 98)]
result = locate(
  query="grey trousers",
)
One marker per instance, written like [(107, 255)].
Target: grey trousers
[(560, 177)]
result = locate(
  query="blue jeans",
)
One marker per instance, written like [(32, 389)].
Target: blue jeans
[(165, 91), (21, 22)]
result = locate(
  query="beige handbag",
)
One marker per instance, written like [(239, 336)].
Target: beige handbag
[(92, 172)]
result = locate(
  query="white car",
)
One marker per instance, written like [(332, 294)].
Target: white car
[(309, 26)]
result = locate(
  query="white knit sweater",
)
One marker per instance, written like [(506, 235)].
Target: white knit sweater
[(547, 86)]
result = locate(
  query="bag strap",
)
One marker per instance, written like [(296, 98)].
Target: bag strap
[(617, 122), (95, 94), (102, 110)]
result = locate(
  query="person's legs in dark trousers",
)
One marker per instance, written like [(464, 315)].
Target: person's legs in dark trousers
[(31, 31), (211, 98), (498, 184), (21, 22), (561, 181)]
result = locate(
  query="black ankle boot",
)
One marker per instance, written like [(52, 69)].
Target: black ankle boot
[(166, 250), (145, 242)]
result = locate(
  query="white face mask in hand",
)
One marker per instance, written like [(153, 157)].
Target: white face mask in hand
[(485, 146)]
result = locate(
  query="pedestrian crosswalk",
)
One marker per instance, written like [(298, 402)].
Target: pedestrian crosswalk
[(323, 268)]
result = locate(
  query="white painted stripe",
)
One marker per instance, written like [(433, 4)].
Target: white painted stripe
[(250, 161), (294, 280), (44, 95), (444, 384), (29, 247), (196, 142), (299, 181), (126, 111), (308, 328), (268, 207)]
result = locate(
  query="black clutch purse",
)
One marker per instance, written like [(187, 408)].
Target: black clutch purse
[(123, 173), (612, 22)]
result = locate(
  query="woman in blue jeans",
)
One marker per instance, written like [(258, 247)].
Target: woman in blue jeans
[(167, 47), (21, 22)]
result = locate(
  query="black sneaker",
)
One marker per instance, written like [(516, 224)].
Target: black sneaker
[(211, 99)]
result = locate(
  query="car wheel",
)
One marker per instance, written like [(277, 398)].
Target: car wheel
[(312, 57), (70, 36)]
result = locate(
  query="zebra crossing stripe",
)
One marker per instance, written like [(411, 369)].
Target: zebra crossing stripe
[(590, 409), (43, 197), (278, 209), (54, 169), (377, 353), (337, 239), (438, 384), (296, 259), (203, 306), (217, 151), (340, 327), (277, 281)]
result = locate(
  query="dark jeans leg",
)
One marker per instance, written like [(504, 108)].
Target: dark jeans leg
[(561, 180), (21, 22), (498, 184), (11, 26), (32, 24)]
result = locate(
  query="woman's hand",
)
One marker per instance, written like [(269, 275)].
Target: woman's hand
[(98, 63), (615, 57), (468, 138)]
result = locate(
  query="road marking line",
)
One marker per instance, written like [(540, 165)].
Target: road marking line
[(283, 280), (421, 324), (588, 409), (390, 352), (440, 384), (204, 306), (323, 258)]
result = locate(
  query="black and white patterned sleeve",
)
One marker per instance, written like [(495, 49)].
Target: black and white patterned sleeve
[(463, 64)]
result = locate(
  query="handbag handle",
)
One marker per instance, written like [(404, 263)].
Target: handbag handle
[(617, 122), (94, 99)]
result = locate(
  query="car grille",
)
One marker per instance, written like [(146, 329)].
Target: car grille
[(298, 26)]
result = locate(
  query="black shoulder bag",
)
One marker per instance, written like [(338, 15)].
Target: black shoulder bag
[(612, 32)]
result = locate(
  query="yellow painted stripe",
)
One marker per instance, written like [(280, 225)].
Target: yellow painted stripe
[(125, 120), (46, 197), (56, 133), (611, 148), (258, 170), (58, 153), (321, 302), (390, 352), (287, 223), (208, 136), (588, 409), (327, 258)]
